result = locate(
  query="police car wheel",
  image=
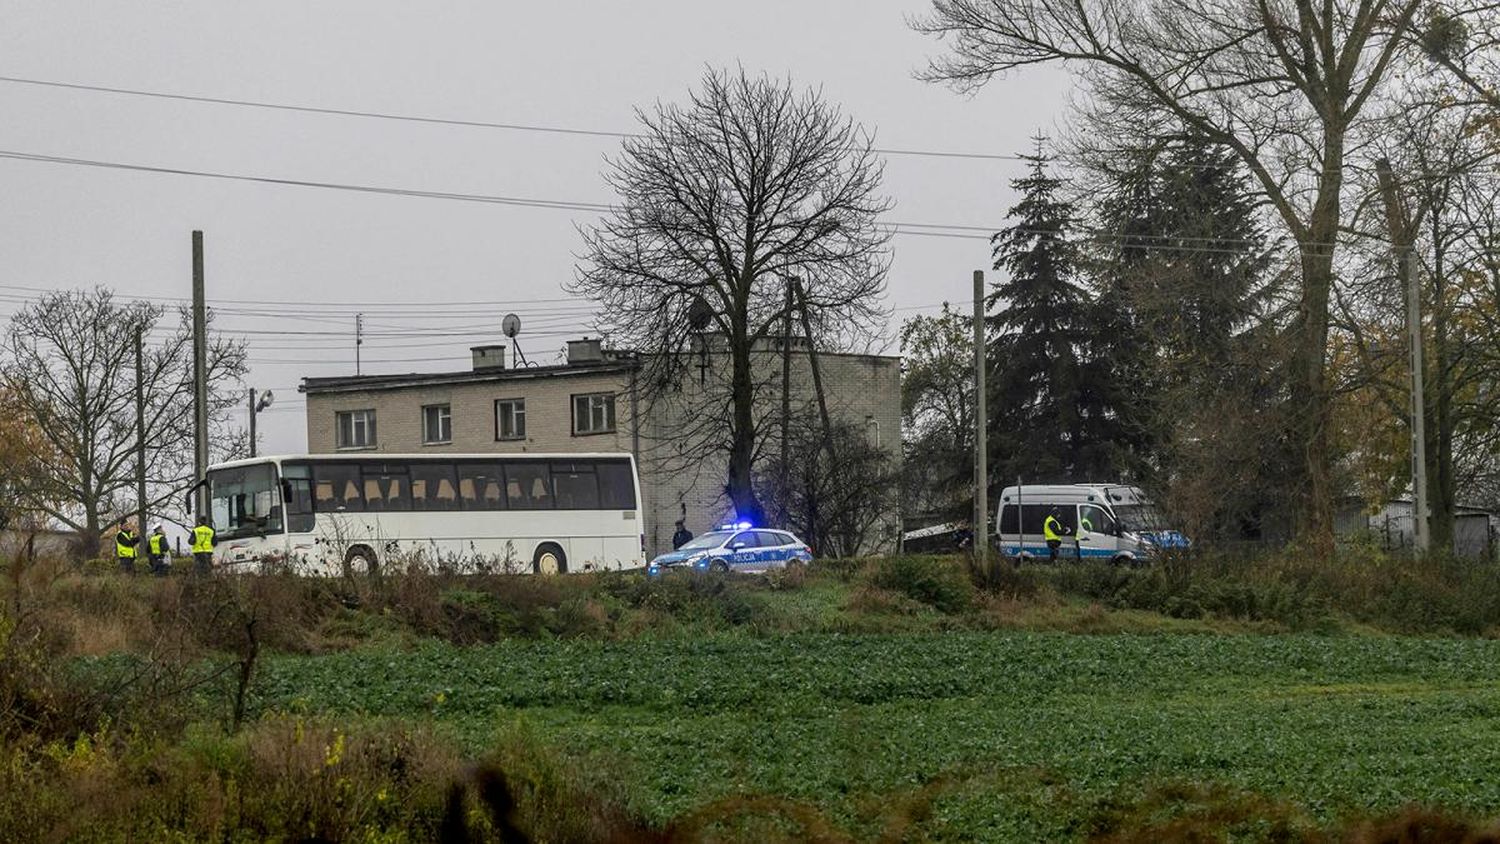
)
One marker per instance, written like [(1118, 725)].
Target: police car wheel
[(1122, 560), (718, 566)]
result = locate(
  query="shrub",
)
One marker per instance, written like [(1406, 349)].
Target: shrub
[(931, 580)]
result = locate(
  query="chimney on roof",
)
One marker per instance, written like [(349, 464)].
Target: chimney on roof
[(488, 357), (585, 351)]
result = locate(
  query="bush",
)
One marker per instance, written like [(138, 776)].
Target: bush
[(931, 580)]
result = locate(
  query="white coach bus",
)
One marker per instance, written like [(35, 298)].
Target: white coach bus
[(341, 513)]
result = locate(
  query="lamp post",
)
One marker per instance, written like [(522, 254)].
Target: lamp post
[(256, 405)]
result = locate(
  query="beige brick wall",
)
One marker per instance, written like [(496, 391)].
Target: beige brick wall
[(864, 390)]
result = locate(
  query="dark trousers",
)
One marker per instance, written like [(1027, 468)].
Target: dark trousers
[(159, 565), (127, 564), (1052, 546), (203, 562)]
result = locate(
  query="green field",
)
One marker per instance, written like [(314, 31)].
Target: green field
[(996, 735)]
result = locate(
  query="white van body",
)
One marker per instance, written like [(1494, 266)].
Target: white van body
[(1089, 513)]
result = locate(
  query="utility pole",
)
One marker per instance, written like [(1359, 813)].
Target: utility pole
[(1403, 240), (812, 357), (200, 381), (786, 400), (359, 339), (140, 434), (981, 470)]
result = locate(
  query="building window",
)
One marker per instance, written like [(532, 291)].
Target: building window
[(510, 419), (356, 428), (437, 424), (593, 413)]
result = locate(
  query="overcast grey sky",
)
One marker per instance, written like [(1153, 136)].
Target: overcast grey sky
[(318, 255)]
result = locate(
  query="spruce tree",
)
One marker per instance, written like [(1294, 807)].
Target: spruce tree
[(1181, 271), (1038, 422)]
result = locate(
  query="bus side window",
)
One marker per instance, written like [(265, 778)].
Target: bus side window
[(341, 482), (528, 485), (433, 486), (576, 485), (616, 485), (479, 486)]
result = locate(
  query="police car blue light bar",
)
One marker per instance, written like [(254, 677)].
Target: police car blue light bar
[(737, 526)]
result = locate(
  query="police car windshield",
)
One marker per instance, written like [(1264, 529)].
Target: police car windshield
[(708, 540)]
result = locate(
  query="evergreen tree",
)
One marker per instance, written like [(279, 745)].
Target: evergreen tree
[(1039, 423), (1182, 276)]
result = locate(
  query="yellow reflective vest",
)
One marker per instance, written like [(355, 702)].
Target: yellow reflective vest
[(203, 539), (125, 544), (1050, 528), (157, 545)]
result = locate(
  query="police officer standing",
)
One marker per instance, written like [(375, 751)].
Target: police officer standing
[(1052, 532), (156, 551), (125, 542), (203, 547)]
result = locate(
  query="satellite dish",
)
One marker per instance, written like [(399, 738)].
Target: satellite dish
[(700, 313), (511, 325)]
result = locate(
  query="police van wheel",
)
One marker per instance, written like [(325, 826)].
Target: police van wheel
[(361, 560), (549, 559)]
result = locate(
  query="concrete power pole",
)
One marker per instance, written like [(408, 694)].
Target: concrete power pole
[(981, 447), (1403, 238), (200, 381), (140, 434)]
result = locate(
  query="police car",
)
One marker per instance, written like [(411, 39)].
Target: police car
[(736, 547)]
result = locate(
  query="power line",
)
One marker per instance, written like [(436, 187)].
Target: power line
[(967, 232), (411, 118)]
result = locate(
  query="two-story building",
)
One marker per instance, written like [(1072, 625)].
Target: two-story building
[(595, 402)]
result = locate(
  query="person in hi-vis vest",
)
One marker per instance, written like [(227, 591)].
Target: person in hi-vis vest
[(203, 547), (156, 551), (125, 543), (1052, 532)]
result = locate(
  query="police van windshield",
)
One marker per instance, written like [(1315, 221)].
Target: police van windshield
[(1138, 517), (707, 541), (243, 501)]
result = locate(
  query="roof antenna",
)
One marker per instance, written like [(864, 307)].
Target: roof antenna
[(511, 326)]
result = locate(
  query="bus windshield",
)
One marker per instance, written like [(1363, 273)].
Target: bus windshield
[(243, 501)]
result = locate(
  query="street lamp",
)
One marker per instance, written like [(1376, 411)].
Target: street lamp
[(256, 406)]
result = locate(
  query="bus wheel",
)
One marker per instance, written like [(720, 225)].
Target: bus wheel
[(360, 560), (549, 559)]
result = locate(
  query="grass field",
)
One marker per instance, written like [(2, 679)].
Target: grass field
[(1013, 736), (907, 699)]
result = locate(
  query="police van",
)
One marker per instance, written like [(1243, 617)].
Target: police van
[(1099, 521)]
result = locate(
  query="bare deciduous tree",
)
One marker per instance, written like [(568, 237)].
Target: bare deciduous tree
[(1282, 83), (751, 182), (69, 364), (839, 502)]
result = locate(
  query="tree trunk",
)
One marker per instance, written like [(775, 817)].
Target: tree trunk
[(742, 446), (1309, 393)]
